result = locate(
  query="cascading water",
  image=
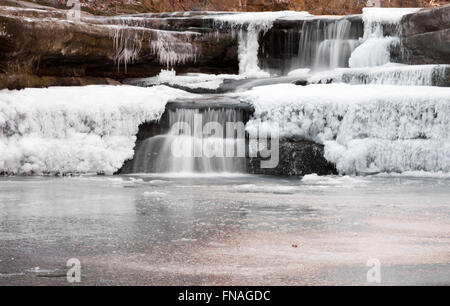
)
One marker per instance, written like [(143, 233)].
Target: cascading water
[(199, 140), (250, 27), (318, 44), (337, 46)]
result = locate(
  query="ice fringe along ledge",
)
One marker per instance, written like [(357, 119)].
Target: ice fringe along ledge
[(169, 47), (249, 27), (75, 129), (375, 47), (365, 128)]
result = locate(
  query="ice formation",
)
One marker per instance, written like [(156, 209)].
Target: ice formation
[(189, 80), (249, 27), (375, 49), (365, 128), (127, 45), (172, 48), (75, 129), (390, 74)]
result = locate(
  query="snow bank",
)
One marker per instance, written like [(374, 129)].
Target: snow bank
[(75, 129), (365, 128)]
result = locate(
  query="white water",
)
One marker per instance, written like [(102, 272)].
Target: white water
[(186, 149), (326, 46)]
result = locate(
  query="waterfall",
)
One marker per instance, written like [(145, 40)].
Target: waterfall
[(314, 43), (250, 27), (199, 141), (333, 46)]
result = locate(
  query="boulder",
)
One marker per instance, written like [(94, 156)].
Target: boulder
[(426, 20), (297, 158), (426, 37)]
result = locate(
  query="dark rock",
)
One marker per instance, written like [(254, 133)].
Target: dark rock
[(297, 158)]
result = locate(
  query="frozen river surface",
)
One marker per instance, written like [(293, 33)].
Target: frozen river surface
[(229, 230)]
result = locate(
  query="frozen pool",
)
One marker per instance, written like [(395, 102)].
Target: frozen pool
[(229, 229)]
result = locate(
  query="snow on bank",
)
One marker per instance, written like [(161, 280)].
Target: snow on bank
[(365, 128), (75, 129)]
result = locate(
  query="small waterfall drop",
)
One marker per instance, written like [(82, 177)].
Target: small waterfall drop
[(199, 141), (318, 44)]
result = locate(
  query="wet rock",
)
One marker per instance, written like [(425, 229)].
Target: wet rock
[(296, 158)]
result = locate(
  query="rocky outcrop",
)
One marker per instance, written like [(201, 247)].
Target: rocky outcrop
[(318, 7), (426, 36), (296, 158), (41, 47)]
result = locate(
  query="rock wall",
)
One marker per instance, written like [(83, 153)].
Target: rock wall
[(41, 47), (318, 7), (426, 36)]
